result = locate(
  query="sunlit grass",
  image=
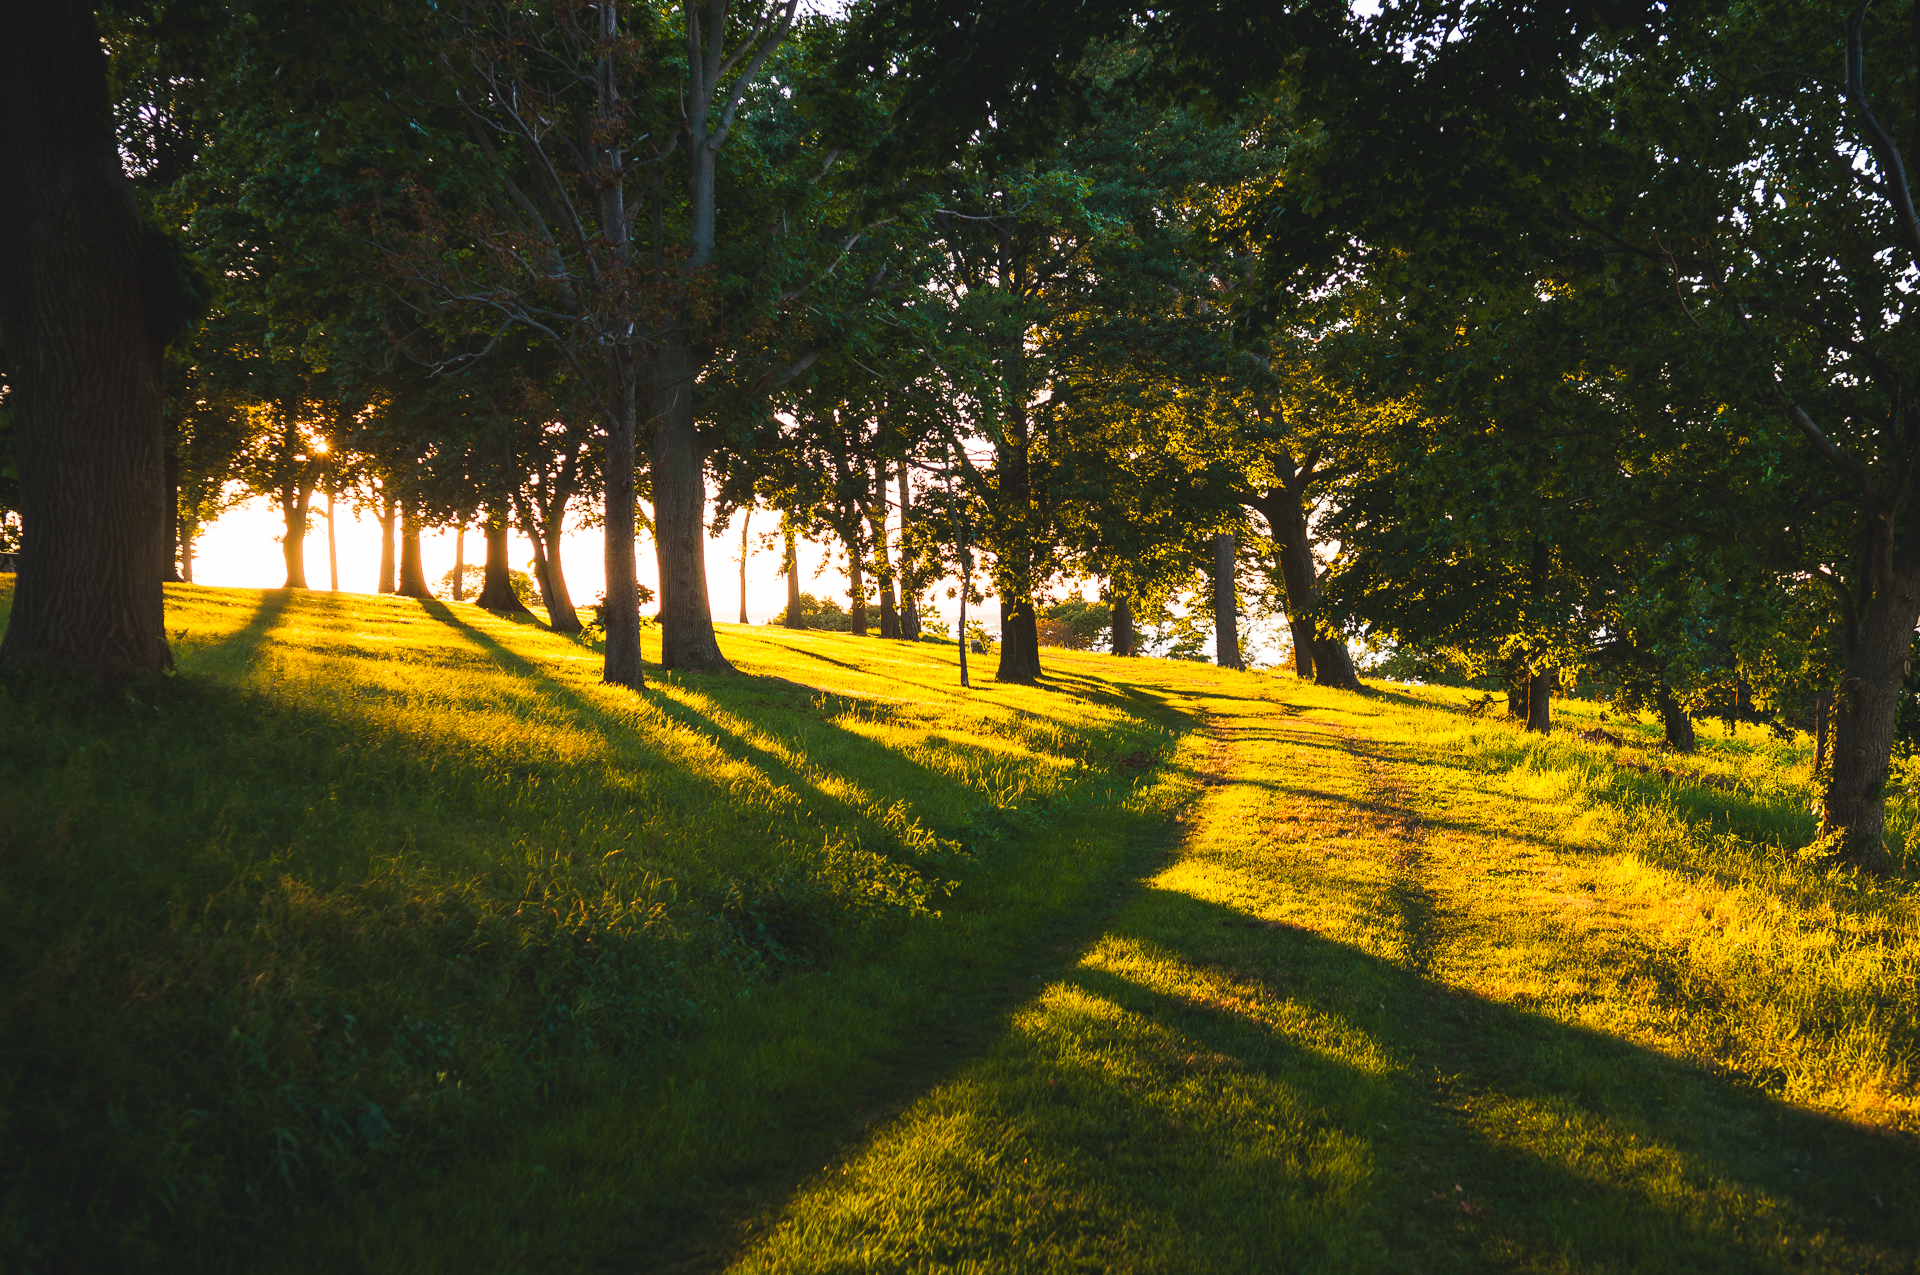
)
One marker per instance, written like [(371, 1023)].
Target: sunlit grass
[(370, 885), (1421, 992)]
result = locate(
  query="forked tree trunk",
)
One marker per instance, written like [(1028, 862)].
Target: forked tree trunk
[(1122, 619), (389, 512), (294, 502), (413, 575), (84, 369), (1226, 604), (909, 574), (679, 514), (794, 619), (496, 593), (1673, 717)]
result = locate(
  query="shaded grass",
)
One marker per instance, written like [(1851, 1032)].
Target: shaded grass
[(1420, 993), (372, 888)]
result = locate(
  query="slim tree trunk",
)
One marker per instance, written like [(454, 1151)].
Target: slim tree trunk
[(413, 575), (389, 511), (333, 548), (746, 516), (497, 594), (1122, 620), (460, 563), (561, 616), (794, 618), (189, 531), (1821, 704), (620, 610), (172, 575), (1679, 726), (85, 369), (1326, 660), (882, 559), (909, 573), (966, 587), (856, 587), (1226, 605)]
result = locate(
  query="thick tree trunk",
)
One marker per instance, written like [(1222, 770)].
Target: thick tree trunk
[(1326, 658), (561, 615), (293, 512), (1679, 726), (1540, 684), (1019, 641), (172, 573), (1302, 631), (909, 576), (679, 514), (460, 563), (1864, 714), (1226, 604), (794, 619), (620, 610), (496, 593), (85, 371), (1122, 639), (413, 576), (389, 513)]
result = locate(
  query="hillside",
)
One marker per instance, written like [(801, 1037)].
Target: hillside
[(387, 924)]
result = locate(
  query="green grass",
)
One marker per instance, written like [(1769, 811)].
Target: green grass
[(384, 938)]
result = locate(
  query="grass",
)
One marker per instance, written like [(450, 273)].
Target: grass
[(385, 938)]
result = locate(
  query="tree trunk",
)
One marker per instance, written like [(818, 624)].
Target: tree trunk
[(333, 549), (746, 516), (561, 615), (85, 370), (1326, 658), (856, 587), (620, 609), (1302, 630), (1864, 714), (1226, 604), (882, 559), (1122, 619), (497, 594), (189, 530), (1679, 726), (389, 510), (794, 619), (1019, 642), (1540, 684), (460, 563), (293, 511), (1821, 704), (1515, 677), (679, 514), (960, 626), (909, 577), (172, 574), (413, 576)]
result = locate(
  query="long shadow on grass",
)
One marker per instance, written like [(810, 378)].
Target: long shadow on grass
[(1492, 1137), (235, 651)]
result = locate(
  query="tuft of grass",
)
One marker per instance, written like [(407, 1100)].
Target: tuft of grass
[(372, 888)]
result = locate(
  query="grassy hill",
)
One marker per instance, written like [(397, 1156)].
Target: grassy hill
[(384, 937)]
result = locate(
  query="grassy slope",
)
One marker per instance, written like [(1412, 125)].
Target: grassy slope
[(373, 884), (687, 979), (1421, 994)]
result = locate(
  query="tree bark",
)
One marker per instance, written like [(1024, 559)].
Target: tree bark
[(389, 511), (679, 514), (172, 572), (794, 618), (460, 563), (1821, 704), (1019, 641), (561, 615), (413, 576), (1540, 684), (1679, 726), (497, 594), (1325, 658), (1865, 709), (620, 609), (1121, 611), (856, 588), (909, 576), (882, 559), (1226, 604), (86, 372)]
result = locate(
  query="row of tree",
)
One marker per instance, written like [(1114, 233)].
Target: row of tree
[(1514, 344)]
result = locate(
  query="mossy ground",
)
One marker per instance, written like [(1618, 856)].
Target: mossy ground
[(384, 937)]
